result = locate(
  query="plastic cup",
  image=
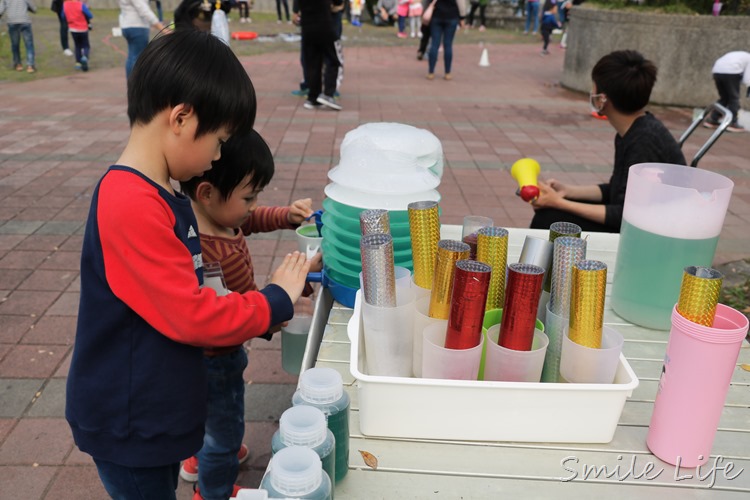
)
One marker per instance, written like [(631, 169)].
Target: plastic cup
[(555, 329), (213, 277), (308, 240), (452, 364), (472, 224), (585, 365), (421, 321), (388, 335), (491, 318), (508, 365), (420, 291), (293, 341), (402, 274), (698, 368)]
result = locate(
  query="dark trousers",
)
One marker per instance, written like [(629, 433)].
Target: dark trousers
[(425, 40), (315, 50), (63, 31), (546, 32), (279, 3), (474, 8), (545, 217), (729, 95), (81, 42), (244, 8)]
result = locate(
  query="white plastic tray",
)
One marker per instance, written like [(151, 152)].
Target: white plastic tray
[(485, 411)]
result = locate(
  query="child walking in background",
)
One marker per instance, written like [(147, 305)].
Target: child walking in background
[(78, 15), (137, 387), (415, 18), (549, 23), (402, 10), (244, 8), (225, 202), (16, 13), (355, 8)]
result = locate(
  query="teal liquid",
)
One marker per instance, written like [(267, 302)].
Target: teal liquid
[(292, 350), (325, 450), (648, 274), (337, 415)]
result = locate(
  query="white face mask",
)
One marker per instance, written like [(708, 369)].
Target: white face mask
[(592, 102)]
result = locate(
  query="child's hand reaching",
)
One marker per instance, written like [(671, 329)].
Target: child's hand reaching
[(292, 273), (300, 210)]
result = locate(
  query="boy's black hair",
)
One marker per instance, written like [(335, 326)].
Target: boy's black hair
[(241, 155), (627, 78), (189, 11), (194, 68)]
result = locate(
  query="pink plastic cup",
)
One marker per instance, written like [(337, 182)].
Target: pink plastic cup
[(694, 382)]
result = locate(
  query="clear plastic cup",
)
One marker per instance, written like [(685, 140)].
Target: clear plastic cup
[(586, 365), (452, 364), (421, 321), (420, 291), (508, 365), (388, 335), (472, 224), (494, 317), (402, 274)]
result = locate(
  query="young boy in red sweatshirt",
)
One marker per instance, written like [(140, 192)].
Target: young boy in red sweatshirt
[(137, 387), (78, 15)]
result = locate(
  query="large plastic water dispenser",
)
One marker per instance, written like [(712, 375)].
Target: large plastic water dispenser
[(382, 165)]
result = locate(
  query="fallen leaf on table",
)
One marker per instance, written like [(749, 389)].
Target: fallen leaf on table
[(370, 460), (745, 367)]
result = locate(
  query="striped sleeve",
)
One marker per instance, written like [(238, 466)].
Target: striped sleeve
[(266, 219)]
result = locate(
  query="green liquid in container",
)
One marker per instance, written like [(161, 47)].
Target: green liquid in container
[(648, 274), (322, 388)]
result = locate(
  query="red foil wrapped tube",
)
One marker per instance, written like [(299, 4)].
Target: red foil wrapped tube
[(521, 302), (471, 283)]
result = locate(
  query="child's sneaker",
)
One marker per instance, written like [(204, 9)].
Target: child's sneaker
[(710, 124), (735, 127), (235, 490), (19, 67), (189, 468), (84, 63), (329, 102), (401, 35), (311, 105), (67, 52), (31, 69), (78, 67)]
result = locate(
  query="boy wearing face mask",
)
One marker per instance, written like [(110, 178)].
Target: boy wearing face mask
[(622, 84)]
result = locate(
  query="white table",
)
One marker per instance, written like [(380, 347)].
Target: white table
[(423, 468)]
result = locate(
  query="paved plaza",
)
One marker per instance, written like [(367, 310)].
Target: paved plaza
[(57, 137)]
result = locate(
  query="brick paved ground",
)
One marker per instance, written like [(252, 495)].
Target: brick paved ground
[(57, 136)]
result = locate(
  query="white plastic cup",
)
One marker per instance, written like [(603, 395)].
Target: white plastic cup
[(508, 365), (293, 342), (388, 335), (422, 320), (451, 364), (402, 275), (586, 365), (554, 327), (213, 277), (420, 291), (308, 240)]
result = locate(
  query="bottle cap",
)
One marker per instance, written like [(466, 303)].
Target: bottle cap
[(296, 471), (303, 426), (321, 385)]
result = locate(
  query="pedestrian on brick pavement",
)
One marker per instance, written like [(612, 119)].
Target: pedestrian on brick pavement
[(622, 84), (402, 11), (244, 7), (16, 13), (480, 5), (415, 18), (549, 23), (225, 202), (78, 16), (136, 397), (136, 17), (532, 16), (426, 33), (355, 10), (56, 7), (729, 71), (565, 9), (320, 48), (446, 18)]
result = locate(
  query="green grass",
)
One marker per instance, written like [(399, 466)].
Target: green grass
[(737, 296), (110, 52)]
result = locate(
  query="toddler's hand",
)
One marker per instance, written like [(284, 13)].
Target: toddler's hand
[(291, 274), (300, 210)]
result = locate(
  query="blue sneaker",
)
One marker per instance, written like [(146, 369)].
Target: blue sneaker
[(85, 63), (300, 93)]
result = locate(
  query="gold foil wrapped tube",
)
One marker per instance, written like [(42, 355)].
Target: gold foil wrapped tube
[(588, 286), (449, 252), (424, 229), (699, 294), (492, 249)]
